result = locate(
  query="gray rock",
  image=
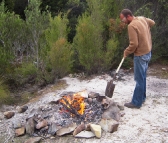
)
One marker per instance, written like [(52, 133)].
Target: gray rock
[(1, 116), (121, 107), (66, 93), (66, 130), (17, 124), (53, 128), (22, 109), (85, 134), (80, 128), (34, 112), (109, 125), (96, 129), (41, 124), (93, 95), (20, 131), (113, 112), (9, 114), (33, 140), (90, 100), (30, 126)]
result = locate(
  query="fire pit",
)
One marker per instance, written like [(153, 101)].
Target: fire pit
[(72, 114), (79, 108)]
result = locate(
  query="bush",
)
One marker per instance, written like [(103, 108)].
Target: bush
[(26, 69), (4, 60), (110, 54), (5, 97), (88, 43), (60, 57), (26, 73)]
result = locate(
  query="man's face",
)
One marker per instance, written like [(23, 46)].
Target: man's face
[(124, 19)]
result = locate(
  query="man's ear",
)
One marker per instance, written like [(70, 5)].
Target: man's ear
[(128, 16)]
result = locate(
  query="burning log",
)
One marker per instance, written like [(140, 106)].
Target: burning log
[(69, 107), (74, 104)]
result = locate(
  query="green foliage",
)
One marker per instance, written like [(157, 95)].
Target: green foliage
[(111, 8), (9, 4), (25, 97), (4, 95), (73, 2), (37, 22), (60, 57), (26, 69), (118, 31), (111, 53), (4, 60), (75, 8), (160, 32), (25, 73), (57, 29), (96, 48), (12, 38), (37, 49), (128, 63), (88, 43), (145, 10)]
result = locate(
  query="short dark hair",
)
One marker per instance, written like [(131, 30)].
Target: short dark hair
[(126, 12)]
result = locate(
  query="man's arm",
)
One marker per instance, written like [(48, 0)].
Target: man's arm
[(133, 41), (150, 22)]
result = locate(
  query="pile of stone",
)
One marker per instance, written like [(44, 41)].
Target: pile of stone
[(46, 121)]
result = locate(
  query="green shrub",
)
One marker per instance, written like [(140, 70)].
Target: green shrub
[(57, 60), (26, 69), (26, 73), (60, 57), (88, 44), (112, 47), (4, 60), (5, 97)]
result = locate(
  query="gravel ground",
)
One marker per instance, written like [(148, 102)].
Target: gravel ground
[(148, 124)]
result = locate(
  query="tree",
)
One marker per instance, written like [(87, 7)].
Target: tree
[(12, 38), (95, 49), (37, 22), (59, 52), (9, 4)]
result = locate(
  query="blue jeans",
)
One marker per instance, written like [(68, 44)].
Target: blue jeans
[(140, 69)]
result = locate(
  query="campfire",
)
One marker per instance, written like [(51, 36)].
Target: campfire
[(81, 107), (74, 103), (82, 114)]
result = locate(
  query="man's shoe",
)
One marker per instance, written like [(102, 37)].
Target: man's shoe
[(130, 105)]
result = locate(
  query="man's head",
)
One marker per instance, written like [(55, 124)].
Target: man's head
[(126, 16)]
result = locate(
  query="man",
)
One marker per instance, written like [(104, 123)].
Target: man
[(140, 43)]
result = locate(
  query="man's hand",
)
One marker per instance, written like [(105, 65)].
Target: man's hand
[(124, 55)]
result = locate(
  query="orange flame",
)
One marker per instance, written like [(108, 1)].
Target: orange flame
[(76, 101)]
